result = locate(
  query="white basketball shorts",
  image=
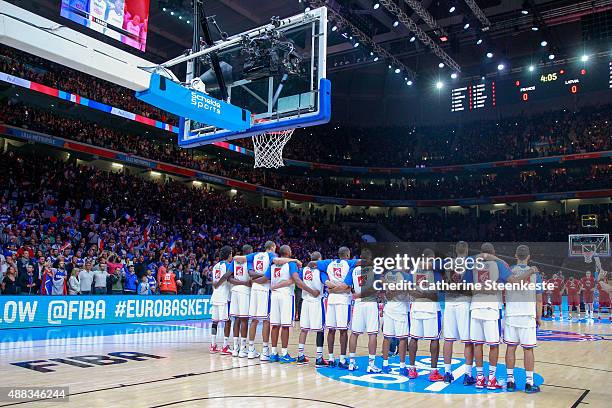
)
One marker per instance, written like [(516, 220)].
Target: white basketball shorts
[(239, 306), (426, 329), (365, 318), (220, 313), (281, 309), (485, 331), (259, 304), (523, 336), (312, 315), (338, 316), (398, 329), (457, 322)]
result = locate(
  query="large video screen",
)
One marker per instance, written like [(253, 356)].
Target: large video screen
[(123, 20)]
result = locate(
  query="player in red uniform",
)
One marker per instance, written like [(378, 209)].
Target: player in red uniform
[(572, 288), (588, 294), (557, 294), (604, 299)]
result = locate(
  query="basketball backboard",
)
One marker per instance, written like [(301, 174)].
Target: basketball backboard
[(277, 73), (589, 245)]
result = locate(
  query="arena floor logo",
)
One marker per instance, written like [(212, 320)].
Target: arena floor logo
[(557, 335), (395, 382)]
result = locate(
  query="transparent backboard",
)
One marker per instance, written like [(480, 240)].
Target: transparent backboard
[(589, 245), (276, 72)]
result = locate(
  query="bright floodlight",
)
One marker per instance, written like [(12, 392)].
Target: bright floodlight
[(412, 39), (376, 6), (489, 55), (441, 65), (454, 75), (479, 41), (544, 43), (335, 28), (397, 70), (500, 67), (356, 45), (584, 58), (531, 68), (466, 26), (409, 83), (551, 57), (439, 84), (375, 59), (395, 23), (452, 9)]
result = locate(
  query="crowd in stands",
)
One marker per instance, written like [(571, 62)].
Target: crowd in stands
[(545, 134), (392, 187), (63, 219), (33, 68)]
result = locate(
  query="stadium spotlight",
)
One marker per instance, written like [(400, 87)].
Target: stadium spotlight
[(531, 68), (412, 39), (409, 83), (584, 58), (489, 54), (164, 9), (551, 56), (395, 23), (466, 26), (501, 67), (439, 85), (172, 13), (535, 28), (441, 65), (452, 9), (454, 75), (479, 41), (544, 43), (180, 17), (356, 44), (376, 6), (390, 66), (525, 8), (375, 58), (334, 28), (307, 9), (397, 70)]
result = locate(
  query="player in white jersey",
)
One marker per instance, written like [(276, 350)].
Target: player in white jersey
[(282, 304), (239, 305), (259, 302), (523, 314), (365, 317), (220, 298), (312, 314), (425, 316), (396, 323), (457, 314), (338, 314), (485, 318)]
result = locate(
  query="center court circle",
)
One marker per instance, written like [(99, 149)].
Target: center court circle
[(396, 382)]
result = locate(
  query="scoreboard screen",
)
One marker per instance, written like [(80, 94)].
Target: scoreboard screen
[(551, 83), (537, 85), (474, 96)]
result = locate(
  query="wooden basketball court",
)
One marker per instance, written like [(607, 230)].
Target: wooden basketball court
[(155, 365)]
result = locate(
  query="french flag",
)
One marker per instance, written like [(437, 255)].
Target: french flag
[(146, 232), (100, 244), (128, 217)]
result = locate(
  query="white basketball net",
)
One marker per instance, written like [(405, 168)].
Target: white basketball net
[(269, 146)]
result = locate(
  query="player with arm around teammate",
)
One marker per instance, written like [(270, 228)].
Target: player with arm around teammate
[(457, 318), (312, 313), (396, 321), (365, 310), (425, 316), (338, 313), (240, 300), (485, 315), (220, 299), (523, 314), (282, 304), (259, 301)]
